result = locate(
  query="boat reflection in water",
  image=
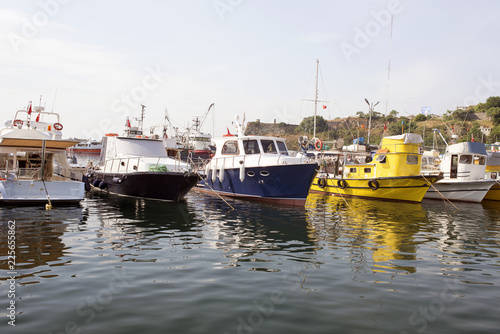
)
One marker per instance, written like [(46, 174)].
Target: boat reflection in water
[(39, 240), (384, 232)]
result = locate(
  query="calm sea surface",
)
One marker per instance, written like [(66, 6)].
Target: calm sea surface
[(125, 265)]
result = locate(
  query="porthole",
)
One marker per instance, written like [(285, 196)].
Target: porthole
[(264, 173), (250, 173)]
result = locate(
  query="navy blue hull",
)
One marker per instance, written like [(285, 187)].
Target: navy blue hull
[(165, 186), (283, 183)]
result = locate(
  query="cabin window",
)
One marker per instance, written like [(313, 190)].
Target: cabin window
[(230, 147), (282, 147), (412, 159), (465, 159), (352, 170), (251, 146), (268, 146), (494, 175), (381, 159), (368, 170), (479, 160)]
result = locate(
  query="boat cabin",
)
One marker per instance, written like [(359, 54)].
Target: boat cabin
[(465, 161)]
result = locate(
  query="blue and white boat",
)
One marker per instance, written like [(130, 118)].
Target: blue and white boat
[(259, 168)]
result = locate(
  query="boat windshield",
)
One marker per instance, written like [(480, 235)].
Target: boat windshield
[(282, 147), (140, 147), (251, 146), (268, 146)]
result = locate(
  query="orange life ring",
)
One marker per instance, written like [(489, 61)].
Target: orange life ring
[(18, 122), (318, 145), (58, 126)]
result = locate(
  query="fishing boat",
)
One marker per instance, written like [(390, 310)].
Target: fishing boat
[(392, 174), (464, 168), (27, 151), (139, 166), (493, 173), (258, 168)]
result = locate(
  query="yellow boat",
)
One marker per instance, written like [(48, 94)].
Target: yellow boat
[(493, 173), (394, 173)]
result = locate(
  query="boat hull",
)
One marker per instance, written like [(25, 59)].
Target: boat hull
[(167, 186), (403, 189), (285, 184), (27, 192), (494, 193), (464, 191)]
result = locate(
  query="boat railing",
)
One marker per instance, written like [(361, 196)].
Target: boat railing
[(131, 164), (21, 174)]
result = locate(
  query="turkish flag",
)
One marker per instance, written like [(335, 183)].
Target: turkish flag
[(128, 123), (29, 110), (37, 118)]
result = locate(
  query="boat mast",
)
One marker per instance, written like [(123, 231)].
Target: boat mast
[(316, 98)]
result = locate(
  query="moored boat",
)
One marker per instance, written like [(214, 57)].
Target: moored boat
[(139, 166), (27, 152), (493, 173), (463, 167), (258, 168), (392, 174), (86, 147)]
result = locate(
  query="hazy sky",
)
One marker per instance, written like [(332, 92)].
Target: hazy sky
[(100, 60)]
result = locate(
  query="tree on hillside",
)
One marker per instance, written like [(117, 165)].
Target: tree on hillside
[(494, 113), (420, 118), (307, 124), (392, 116), (360, 114)]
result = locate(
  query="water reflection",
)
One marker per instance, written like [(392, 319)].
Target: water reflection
[(468, 238), (38, 239), (255, 232), (381, 231)]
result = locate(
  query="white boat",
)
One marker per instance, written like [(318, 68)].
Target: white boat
[(463, 166), (27, 151), (139, 166), (259, 168), (86, 147)]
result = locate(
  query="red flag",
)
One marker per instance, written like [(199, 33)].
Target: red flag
[(37, 118), (385, 126), (324, 107), (472, 137), (29, 110), (228, 133), (128, 123)]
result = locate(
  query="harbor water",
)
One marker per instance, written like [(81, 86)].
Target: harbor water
[(126, 265)]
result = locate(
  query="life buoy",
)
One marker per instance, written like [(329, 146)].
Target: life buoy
[(373, 184), (321, 183), (318, 145), (58, 126), (342, 184), (18, 122)]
